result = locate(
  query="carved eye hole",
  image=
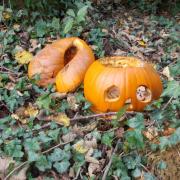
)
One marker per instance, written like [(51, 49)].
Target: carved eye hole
[(143, 94), (112, 94)]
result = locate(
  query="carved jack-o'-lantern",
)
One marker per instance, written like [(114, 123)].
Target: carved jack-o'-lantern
[(112, 82)]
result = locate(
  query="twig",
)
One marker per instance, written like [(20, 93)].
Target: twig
[(110, 161), (166, 105), (98, 115), (77, 174), (26, 162), (8, 71)]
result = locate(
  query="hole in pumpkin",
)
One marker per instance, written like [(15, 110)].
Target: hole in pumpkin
[(112, 94), (128, 103), (143, 94), (69, 54)]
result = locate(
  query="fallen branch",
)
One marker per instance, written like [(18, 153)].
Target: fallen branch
[(110, 162), (26, 162)]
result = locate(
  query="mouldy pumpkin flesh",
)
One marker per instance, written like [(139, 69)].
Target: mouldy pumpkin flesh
[(112, 82), (71, 54)]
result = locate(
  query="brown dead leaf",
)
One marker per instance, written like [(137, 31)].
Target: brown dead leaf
[(166, 72), (168, 131), (10, 86), (93, 168), (90, 141), (21, 175), (4, 164), (58, 95), (119, 132), (69, 137), (34, 45), (151, 133), (71, 99)]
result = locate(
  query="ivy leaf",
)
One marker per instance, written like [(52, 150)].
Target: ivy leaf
[(44, 101), (32, 156), (136, 122), (70, 12), (173, 89), (162, 165), (61, 167), (31, 145), (164, 142), (149, 176), (40, 28), (55, 23), (121, 112), (81, 14), (68, 25), (136, 173), (134, 138), (59, 155), (107, 138), (42, 163)]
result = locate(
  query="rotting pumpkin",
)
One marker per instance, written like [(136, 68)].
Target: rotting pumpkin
[(112, 82), (63, 62)]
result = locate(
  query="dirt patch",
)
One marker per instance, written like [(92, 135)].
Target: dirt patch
[(171, 158)]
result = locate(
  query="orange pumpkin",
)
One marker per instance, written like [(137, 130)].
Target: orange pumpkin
[(112, 82), (67, 58)]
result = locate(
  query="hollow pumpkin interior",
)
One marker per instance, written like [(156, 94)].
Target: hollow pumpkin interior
[(69, 54), (121, 62)]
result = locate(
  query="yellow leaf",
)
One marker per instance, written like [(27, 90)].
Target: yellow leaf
[(6, 15), (62, 118), (23, 57), (16, 117), (80, 147), (31, 111), (142, 43)]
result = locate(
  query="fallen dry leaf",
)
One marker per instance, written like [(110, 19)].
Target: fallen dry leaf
[(23, 57), (69, 137), (71, 99), (4, 164), (80, 147), (93, 168), (21, 175), (168, 131), (62, 119), (166, 72)]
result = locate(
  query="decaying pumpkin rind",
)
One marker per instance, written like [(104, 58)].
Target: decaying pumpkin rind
[(127, 79), (50, 60), (73, 73)]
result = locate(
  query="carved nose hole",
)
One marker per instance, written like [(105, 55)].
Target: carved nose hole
[(143, 94), (112, 94)]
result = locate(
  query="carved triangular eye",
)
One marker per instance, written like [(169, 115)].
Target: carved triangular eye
[(112, 94), (143, 94)]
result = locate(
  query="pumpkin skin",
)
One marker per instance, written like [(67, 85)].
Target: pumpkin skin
[(53, 58), (123, 75)]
